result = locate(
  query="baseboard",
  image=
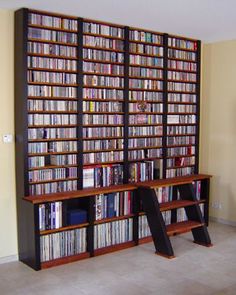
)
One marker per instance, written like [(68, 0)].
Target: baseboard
[(223, 221), (10, 258)]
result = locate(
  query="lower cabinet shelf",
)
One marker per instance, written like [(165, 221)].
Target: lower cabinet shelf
[(182, 227), (64, 260), (113, 248)]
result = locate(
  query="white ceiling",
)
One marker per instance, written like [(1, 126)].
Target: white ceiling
[(207, 20)]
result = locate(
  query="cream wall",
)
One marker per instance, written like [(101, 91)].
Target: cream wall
[(8, 233), (218, 126)]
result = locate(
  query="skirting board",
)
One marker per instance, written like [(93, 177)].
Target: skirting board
[(7, 259), (223, 221)]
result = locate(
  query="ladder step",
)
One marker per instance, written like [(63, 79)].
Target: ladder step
[(182, 227), (178, 204)]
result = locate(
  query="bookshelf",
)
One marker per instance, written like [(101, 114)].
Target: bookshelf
[(183, 88), (93, 107)]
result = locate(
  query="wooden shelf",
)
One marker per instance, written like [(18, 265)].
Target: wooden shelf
[(145, 66), (146, 43), (103, 36), (147, 101), (103, 87), (86, 192), (52, 28), (181, 134), (64, 260), (51, 55), (113, 248), (103, 61), (181, 156), (102, 150), (104, 163), (105, 220), (145, 240), (69, 227), (146, 54), (53, 139), (52, 126), (52, 70), (181, 70), (184, 49), (173, 181), (182, 102), (144, 148), (105, 137), (53, 84), (52, 112), (181, 92), (52, 98), (103, 125), (103, 113), (53, 180), (182, 81), (175, 204), (145, 136), (182, 227), (103, 74), (182, 59), (52, 167), (52, 153), (103, 48), (146, 78), (182, 166), (103, 99), (52, 42)]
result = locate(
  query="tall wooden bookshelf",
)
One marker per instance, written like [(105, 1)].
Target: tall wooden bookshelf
[(93, 107)]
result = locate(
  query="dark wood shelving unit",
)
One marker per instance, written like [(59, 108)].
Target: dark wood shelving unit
[(51, 115)]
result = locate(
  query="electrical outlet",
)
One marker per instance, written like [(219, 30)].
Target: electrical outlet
[(216, 205)]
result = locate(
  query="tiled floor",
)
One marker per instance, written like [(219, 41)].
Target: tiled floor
[(195, 270)]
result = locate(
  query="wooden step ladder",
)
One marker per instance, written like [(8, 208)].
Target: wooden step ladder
[(188, 200)]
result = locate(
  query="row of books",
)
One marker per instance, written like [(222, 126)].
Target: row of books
[(182, 108), (147, 107), (145, 96), (101, 55), (113, 205), (62, 244), (50, 77), (191, 77), (51, 119), (52, 147), (91, 132), (145, 72), (185, 140), (109, 69), (51, 63), (52, 91), (175, 86), (51, 133), (182, 65), (107, 106), (143, 229), (145, 153), (178, 119), (50, 215), (182, 97), (112, 233), (146, 60), (145, 142), (51, 105), (146, 84), (102, 175), (103, 43), (174, 130), (93, 80), (135, 35), (51, 49), (103, 93), (49, 35), (52, 21), (103, 157), (52, 187), (52, 174), (58, 160), (141, 171), (175, 172), (145, 119), (178, 151), (103, 119), (186, 55), (180, 161), (114, 144), (146, 49), (100, 29), (145, 131), (182, 43)]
